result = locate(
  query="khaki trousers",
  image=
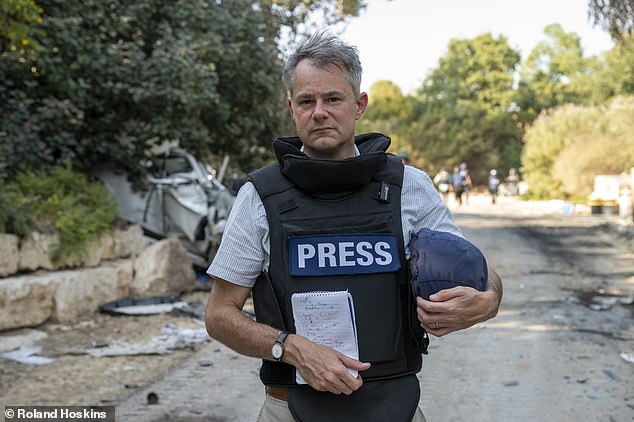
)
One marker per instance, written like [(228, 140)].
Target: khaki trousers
[(276, 410)]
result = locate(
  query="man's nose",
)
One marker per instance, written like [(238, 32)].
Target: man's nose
[(321, 111)]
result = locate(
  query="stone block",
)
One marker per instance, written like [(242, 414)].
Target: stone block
[(162, 269), (9, 254), (26, 301), (35, 251), (125, 274), (93, 254), (130, 242), (80, 292)]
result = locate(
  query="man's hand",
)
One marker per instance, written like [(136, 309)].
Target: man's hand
[(459, 308), (322, 367)]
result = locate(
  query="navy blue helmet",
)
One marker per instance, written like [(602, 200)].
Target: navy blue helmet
[(441, 260)]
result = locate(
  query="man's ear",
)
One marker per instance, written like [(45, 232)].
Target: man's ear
[(290, 105), (362, 103)]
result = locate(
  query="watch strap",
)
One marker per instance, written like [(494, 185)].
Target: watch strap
[(282, 337), (280, 340)]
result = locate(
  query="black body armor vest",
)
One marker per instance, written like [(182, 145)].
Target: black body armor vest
[(359, 199)]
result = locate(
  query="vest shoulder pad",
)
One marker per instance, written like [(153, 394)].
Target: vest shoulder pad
[(269, 180)]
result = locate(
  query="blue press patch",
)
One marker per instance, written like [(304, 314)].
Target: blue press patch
[(322, 255)]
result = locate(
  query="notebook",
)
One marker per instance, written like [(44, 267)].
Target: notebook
[(326, 318)]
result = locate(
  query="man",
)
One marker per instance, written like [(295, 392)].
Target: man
[(356, 207), (512, 180), (494, 184), (443, 181), (458, 181)]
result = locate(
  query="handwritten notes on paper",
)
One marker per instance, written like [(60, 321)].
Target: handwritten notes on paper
[(326, 318)]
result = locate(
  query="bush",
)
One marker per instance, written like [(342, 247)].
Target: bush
[(63, 202), (568, 146)]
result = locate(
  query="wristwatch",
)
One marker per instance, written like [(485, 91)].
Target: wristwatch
[(278, 347)]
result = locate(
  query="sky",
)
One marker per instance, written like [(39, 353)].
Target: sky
[(402, 40)]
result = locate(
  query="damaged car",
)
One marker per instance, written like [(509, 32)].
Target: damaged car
[(183, 198)]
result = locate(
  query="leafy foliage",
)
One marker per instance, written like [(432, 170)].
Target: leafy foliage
[(614, 75), (556, 72), (479, 70), (113, 79), (567, 146), (295, 19), (63, 201), (467, 132), (463, 111), (18, 21), (616, 16)]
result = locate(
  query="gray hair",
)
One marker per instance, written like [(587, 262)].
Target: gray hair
[(323, 49)]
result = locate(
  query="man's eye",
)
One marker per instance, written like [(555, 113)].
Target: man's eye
[(333, 99), (305, 102)]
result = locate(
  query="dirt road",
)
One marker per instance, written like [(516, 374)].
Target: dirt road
[(559, 349)]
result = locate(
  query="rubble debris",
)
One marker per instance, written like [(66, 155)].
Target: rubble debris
[(14, 339), (627, 357), (171, 338), (611, 375), (139, 307), (602, 301), (195, 309), (28, 356)]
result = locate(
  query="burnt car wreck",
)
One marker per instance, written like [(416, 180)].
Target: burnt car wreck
[(183, 198)]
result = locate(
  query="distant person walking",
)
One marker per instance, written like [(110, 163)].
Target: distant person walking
[(512, 182), (458, 182), (494, 184), (464, 171), (443, 183)]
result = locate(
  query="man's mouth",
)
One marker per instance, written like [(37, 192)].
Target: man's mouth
[(321, 129)]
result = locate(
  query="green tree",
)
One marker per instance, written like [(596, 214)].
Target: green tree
[(464, 110), (615, 16), (293, 20), (389, 112), (113, 79), (615, 73), (556, 72), (479, 70), (386, 102), (467, 132)]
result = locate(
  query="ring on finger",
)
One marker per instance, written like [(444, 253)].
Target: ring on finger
[(436, 325)]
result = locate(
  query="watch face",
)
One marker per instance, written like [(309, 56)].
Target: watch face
[(277, 350)]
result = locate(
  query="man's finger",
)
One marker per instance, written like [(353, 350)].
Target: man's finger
[(353, 363), (447, 294), (428, 306), (353, 383)]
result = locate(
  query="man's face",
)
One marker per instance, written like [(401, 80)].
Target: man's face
[(324, 109)]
